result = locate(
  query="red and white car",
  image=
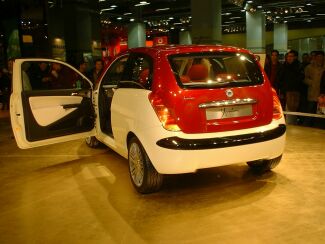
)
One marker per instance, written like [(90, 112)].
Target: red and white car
[(167, 109)]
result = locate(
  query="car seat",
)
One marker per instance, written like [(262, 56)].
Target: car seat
[(144, 76), (198, 73)]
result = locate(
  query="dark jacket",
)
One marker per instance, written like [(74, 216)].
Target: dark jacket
[(5, 84), (291, 77), (322, 84), (274, 78)]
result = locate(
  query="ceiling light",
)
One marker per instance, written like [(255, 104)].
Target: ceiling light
[(119, 18), (162, 9), (142, 3), (105, 9), (131, 20), (113, 6), (127, 13), (237, 2), (226, 14)]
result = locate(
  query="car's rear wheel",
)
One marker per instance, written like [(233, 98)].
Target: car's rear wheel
[(92, 142), (143, 175), (261, 166)]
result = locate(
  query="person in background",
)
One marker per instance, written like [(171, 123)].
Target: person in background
[(83, 67), (39, 75), (321, 98), (273, 69), (6, 83), (290, 81), (267, 61), (97, 71), (322, 84), (5, 88), (10, 69), (312, 56), (61, 77), (313, 76), (305, 60)]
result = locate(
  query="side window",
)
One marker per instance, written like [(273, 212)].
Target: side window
[(141, 71), (46, 75), (115, 72)]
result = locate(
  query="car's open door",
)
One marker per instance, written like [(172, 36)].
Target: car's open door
[(51, 102)]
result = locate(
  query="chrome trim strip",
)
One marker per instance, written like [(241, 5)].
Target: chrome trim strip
[(225, 103)]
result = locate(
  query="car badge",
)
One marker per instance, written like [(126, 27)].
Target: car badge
[(229, 93)]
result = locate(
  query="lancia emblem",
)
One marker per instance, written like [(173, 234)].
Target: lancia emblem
[(229, 93)]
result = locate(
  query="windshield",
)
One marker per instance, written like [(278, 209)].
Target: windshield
[(222, 69)]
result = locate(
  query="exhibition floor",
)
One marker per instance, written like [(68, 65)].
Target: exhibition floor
[(69, 193)]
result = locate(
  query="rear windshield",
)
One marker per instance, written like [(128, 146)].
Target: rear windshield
[(222, 69)]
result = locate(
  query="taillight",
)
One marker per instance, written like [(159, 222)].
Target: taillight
[(277, 109), (168, 121)]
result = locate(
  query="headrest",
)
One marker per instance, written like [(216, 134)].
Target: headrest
[(143, 76), (198, 72)]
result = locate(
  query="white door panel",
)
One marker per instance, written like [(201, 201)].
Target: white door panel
[(47, 110)]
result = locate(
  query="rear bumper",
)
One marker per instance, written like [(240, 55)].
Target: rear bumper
[(177, 143), (184, 153)]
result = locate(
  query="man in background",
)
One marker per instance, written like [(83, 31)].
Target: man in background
[(313, 76)]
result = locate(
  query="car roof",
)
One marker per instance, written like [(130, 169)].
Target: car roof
[(175, 49)]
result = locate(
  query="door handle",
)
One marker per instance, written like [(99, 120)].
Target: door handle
[(67, 106)]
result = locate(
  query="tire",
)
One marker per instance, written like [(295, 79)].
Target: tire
[(143, 175), (261, 166), (92, 142)]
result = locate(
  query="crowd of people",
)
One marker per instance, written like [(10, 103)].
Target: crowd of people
[(299, 85)]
